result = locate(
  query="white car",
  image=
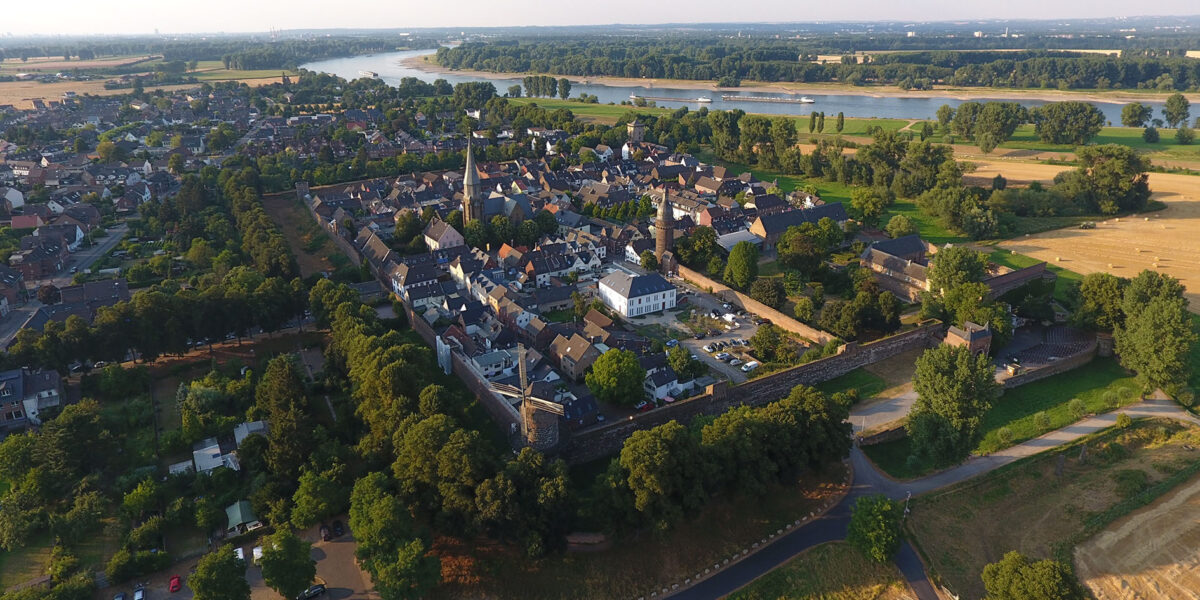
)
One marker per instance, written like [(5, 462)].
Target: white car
[(239, 553), (256, 554), (722, 356), (750, 366), (735, 362), (709, 348)]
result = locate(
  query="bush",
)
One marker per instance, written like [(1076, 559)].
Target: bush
[(1186, 397), (1042, 420), (1124, 421), (1185, 136), (1150, 135), (1077, 408), (875, 527), (1005, 435)]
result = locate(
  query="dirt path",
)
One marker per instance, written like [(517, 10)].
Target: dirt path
[(1152, 553)]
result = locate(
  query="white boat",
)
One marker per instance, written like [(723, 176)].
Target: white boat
[(371, 74), (634, 96), (703, 100), (806, 100)]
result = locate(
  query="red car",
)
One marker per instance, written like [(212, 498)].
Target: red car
[(175, 585)]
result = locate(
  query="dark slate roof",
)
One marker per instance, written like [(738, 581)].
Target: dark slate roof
[(779, 222), (909, 247), (632, 287)]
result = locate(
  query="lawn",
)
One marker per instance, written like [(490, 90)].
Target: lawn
[(1066, 278), (600, 113), (1045, 505), (866, 383), (831, 571), (638, 563), (1102, 385), (214, 70), (930, 230), (25, 563)]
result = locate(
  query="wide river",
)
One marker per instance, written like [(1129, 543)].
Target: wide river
[(391, 69)]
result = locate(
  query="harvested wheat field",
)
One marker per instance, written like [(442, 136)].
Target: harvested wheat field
[(1152, 553), (1167, 240)]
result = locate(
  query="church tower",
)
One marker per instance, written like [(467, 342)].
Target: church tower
[(472, 203), (664, 227)]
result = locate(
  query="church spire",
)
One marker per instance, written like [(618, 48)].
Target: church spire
[(472, 205)]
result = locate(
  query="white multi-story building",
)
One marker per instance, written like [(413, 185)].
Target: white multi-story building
[(632, 296)]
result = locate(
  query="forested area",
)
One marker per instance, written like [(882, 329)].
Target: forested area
[(732, 60)]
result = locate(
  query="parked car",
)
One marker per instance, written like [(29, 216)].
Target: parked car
[(256, 554), (709, 348), (643, 406), (241, 554), (750, 366), (176, 582), (139, 593), (726, 306), (735, 362), (672, 343), (722, 356), (699, 336), (338, 529), (312, 592), (324, 533), (120, 596)]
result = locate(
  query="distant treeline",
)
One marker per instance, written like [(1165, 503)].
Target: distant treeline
[(235, 53), (732, 60)]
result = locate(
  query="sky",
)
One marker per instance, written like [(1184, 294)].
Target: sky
[(74, 17)]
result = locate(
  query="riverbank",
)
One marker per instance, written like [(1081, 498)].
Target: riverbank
[(423, 63)]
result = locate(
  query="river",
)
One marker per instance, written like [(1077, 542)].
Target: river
[(391, 69)]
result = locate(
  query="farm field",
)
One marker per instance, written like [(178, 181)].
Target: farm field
[(831, 571), (315, 252), (1164, 240), (1152, 553), (56, 63), (1045, 505)]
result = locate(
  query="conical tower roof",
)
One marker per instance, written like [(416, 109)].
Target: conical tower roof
[(664, 208), (471, 174)]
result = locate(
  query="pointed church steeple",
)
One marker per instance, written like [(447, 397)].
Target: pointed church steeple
[(472, 205)]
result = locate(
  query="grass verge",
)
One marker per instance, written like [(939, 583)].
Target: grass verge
[(831, 571)]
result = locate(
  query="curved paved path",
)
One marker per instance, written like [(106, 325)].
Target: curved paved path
[(868, 480)]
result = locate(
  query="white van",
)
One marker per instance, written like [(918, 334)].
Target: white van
[(750, 366)]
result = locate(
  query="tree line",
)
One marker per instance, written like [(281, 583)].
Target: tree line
[(772, 60)]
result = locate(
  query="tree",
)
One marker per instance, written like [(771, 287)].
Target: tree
[(564, 88), (955, 266), (49, 294), (649, 262), (870, 202), (320, 494), (514, 91), (875, 527), (110, 152), (681, 361), (1156, 340), (769, 291), (1015, 577), (1101, 296), (1176, 110), (841, 122), (957, 388), (1071, 122), (287, 564), (1111, 178), (406, 574), (399, 563), (663, 469), (1150, 135), (616, 377), (900, 226), (945, 114), (804, 309), (1135, 114), (1184, 136), (742, 268), (220, 576)]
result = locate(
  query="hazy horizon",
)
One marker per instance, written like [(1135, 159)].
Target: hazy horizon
[(89, 17)]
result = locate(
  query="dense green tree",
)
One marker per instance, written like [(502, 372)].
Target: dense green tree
[(1184, 136), (1101, 296), (1111, 178), (804, 309), (529, 500), (1071, 122), (665, 473), (1016, 577), (616, 377), (649, 261), (954, 266), (1176, 110), (742, 267), (900, 226), (954, 386), (1156, 341), (870, 203), (769, 291), (220, 576), (1136, 114), (321, 494), (875, 527), (287, 564)]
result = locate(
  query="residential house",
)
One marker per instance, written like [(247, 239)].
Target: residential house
[(575, 355), (440, 235), (25, 394), (771, 226)]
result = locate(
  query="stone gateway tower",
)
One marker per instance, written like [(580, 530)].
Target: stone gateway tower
[(472, 203)]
